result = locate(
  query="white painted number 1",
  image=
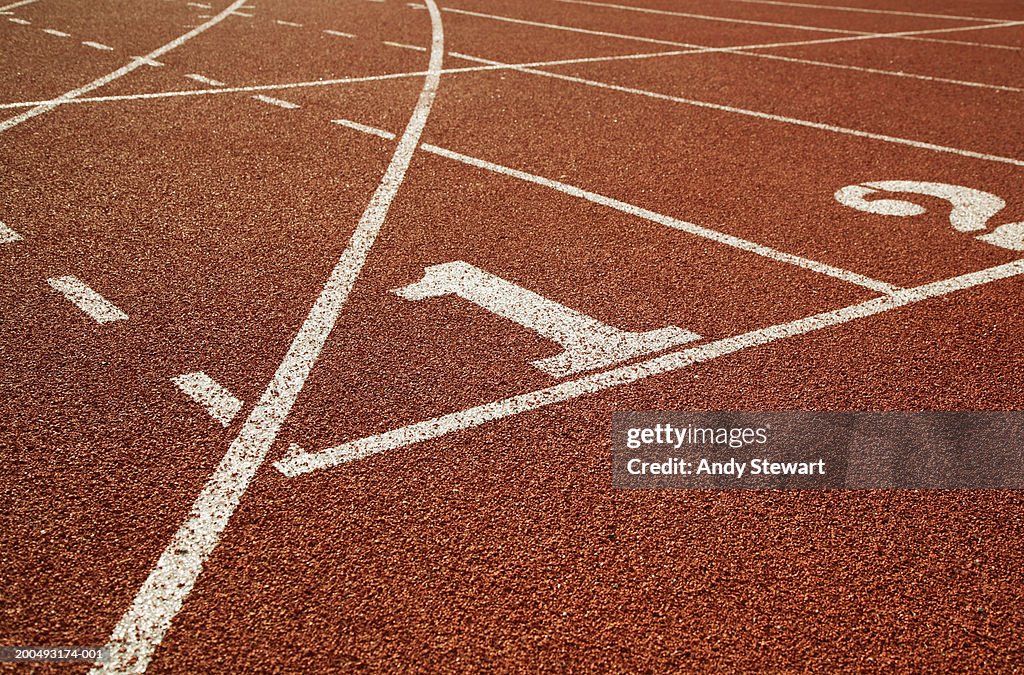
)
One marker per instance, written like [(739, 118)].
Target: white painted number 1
[(971, 212), (587, 343)]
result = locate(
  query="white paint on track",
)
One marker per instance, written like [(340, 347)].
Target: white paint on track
[(299, 462), (338, 33), (402, 45), (205, 80), (921, 145), (15, 5), (366, 129), (98, 45), (20, 22), (738, 49), (292, 24), (56, 33), (144, 625), (7, 235), (120, 72), (220, 403), (98, 308), (288, 105), (864, 10)]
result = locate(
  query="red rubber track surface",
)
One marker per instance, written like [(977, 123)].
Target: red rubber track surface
[(213, 220)]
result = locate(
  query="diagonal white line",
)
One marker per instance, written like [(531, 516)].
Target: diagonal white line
[(220, 403), (120, 72), (922, 145), (7, 235), (14, 5), (298, 461), (143, 626), (94, 305), (863, 10)]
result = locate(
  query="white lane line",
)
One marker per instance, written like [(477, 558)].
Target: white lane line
[(120, 72), (23, 22), (338, 33), (276, 101), (7, 235), (200, 5), (15, 5), (403, 45), (876, 71), (144, 625), (86, 299), (56, 33), (298, 461), (282, 22), (645, 214), (738, 49), (205, 80), (863, 10), (675, 223), (921, 145), (148, 61), (366, 129), (705, 17), (244, 14), (220, 403), (98, 45)]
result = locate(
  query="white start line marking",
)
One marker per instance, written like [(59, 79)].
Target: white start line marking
[(98, 308), (276, 101), (7, 235), (220, 403)]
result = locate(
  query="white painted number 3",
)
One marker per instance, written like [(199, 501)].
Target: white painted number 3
[(971, 212), (586, 342)]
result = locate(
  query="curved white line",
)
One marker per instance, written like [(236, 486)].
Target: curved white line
[(144, 625), (120, 72)]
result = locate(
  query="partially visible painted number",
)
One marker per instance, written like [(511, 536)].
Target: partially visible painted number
[(586, 342), (971, 211)]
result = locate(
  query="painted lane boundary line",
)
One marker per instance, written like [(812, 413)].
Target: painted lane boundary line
[(921, 145), (905, 35), (8, 235), (749, 22), (298, 461), (120, 72), (205, 80), (15, 5), (220, 403), (100, 46), (94, 305), (863, 10), (161, 596), (644, 214), (739, 49)]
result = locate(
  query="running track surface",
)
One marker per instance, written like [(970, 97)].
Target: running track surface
[(206, 209)]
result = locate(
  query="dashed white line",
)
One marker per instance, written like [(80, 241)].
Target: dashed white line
[(15, 5), (148, 61), (120, 72), (298, 461), (244, 14), (98, 45), (86, 299), (7, 235), (146, 622), (23, 22), (200, 5), (276, 101), (56, 33), (205, 80), (338, 33), (220, 403), (366, 129), (282, 22), (862, 10), (403, 45)]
